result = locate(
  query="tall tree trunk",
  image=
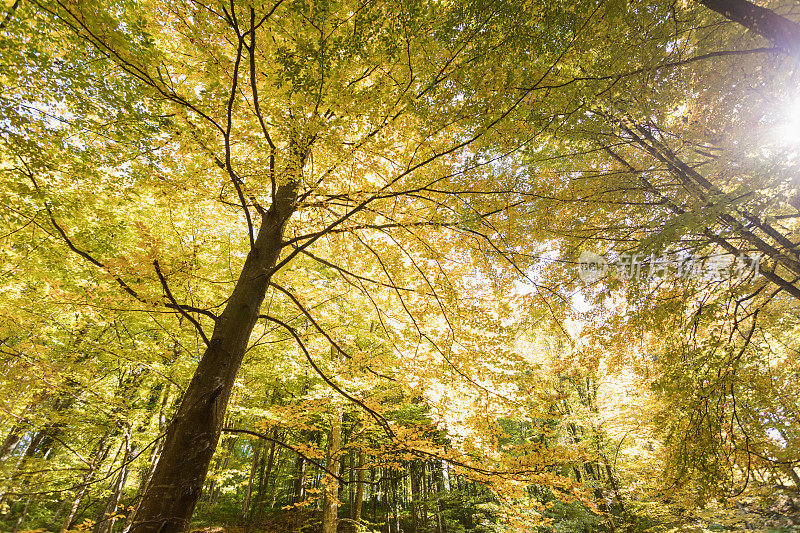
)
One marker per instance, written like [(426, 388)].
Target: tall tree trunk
[(359, 500), (415, 496), (22, 515), (350, 487), (220, 465), (105, 523), (57, 515), (330, 512), (441, 525), (194, 432), (300, 479), (425, 493), (265, 476), (260, 496), (374, 496), (612, 480), (253, 468), (263, 467), (466, 516), (395, 505), (11, 439), (782, 32), (100, 452), (40, 444), (387, 504)]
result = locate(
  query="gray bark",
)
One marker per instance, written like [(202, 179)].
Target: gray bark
[(330, 513)]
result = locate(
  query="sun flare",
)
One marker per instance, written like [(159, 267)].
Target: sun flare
[(788, 133)]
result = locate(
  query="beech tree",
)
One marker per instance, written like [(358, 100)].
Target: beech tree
[(345, 117), (323, 232)]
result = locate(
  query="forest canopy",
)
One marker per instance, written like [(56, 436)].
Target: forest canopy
[(399, 266)]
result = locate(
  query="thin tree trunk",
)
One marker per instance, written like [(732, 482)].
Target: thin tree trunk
[(57, 514), (40, 442), (265, 475), (395, 505), (220, 466), (146, 478), (300, 479), (425, 493), (22, 515), (253, 468), (617, 496), (359, 500), (466, 516), (108, 516), (193, 434), (100, 451), (215, 496), (374, 496), (11, 440), (259, 467), (352, 467), (330, 512), (415, 490), (387, 505), (441, 525)]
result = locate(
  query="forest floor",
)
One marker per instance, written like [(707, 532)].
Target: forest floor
[(283, 522)]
